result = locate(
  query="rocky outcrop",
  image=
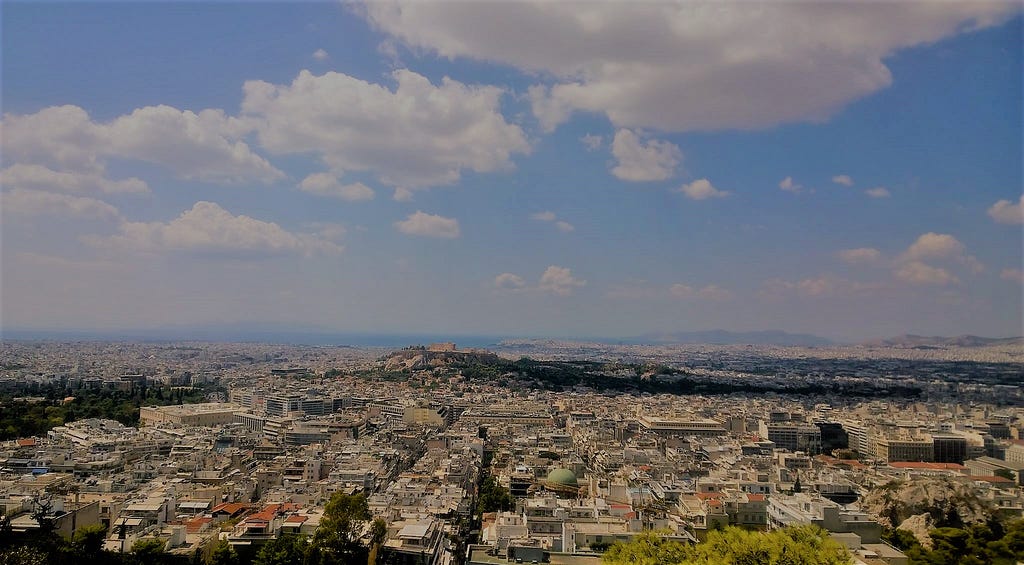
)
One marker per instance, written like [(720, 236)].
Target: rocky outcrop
[(920, 525), (945, 500)]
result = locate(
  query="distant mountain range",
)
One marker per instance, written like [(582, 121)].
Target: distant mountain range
[(921, 341), (723, 337)]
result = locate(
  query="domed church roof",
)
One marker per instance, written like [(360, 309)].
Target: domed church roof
[(562, 477)]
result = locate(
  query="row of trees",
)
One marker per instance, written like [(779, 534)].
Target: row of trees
[(801, 545)]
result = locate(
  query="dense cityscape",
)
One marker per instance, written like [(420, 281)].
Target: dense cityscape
[(502, 282), (445, 455)]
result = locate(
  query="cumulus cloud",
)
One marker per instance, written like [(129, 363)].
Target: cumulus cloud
[(789, 185), (429, 225), (637, 161), (402, 195), (415, 136), (64, 140), (702, 189), (1015, 275), (326, 184), (844, 180), (593, 142), (860, 255), (208, 229), (549, 216), (204, 146), (38, 177), (878, 192), (1007, 212), (559, 280), (320, 55), (554, 280), (26, 202), (509, 282), (711, 292), (681, 66), (917, 272), (933, 246)]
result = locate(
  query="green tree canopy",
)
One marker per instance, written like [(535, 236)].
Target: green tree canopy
[(803, 545), (285, 550), (337, 540)]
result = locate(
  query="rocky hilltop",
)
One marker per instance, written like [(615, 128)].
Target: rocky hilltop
[(923, 503), (436, 355)]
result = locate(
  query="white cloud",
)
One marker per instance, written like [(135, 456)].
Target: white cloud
[(209, 229), (416, 136), (860, 255), (933, 245), (878, 192), (559, 280), (509, 282), (402, 195), (940, 247), (204, 146), (844, 180), (26, 202), (549, 216), (917, 272), (59, 137), (679, 66), (64, 139), (429, 225), (593, 142), (789, 185), (711, 292), (320, 55), (1008, 212), (38, 177), (639, 162), (1015, 275), (326, 184), (702, 189)]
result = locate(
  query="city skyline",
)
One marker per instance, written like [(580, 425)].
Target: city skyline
[(590, 170)]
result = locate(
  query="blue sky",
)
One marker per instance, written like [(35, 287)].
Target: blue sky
[(568, 169)]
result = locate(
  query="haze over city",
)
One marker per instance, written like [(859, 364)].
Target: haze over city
[(564, 169)]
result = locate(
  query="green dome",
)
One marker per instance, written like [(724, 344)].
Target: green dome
[(563, 477)]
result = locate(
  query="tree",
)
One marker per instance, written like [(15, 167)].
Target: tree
[(223, 554), (802, 545), (148, 551), (22, 555), (88, 541), (285, 550), (647, 549), (337, 538), (493, 497), (378, 535)]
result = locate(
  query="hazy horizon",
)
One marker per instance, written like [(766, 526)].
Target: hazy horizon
[(598, 170)]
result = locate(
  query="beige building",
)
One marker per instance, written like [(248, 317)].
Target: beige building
[(916, 449), (206, 414)]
